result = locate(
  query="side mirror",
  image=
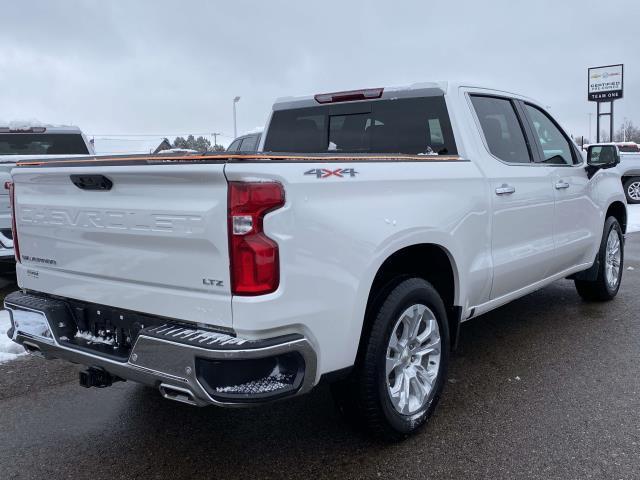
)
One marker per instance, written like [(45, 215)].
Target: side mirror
[(600, 157)]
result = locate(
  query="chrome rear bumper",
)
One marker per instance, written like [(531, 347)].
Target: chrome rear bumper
[(172, 358)]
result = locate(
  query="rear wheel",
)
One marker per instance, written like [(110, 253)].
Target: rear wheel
[(397, 382), (610, 259), (632, 190)]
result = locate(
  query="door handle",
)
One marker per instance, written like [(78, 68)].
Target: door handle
[(505, 189), (562, 185)]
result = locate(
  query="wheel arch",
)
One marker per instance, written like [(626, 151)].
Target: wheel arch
[(618, 210), (429, 261)]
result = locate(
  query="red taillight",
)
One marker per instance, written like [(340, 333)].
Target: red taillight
[(349, 96), (254, 258), (14, 234)]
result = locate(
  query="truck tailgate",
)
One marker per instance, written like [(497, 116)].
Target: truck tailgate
[(154, 242)]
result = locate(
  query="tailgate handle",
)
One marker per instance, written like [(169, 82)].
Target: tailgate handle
[(91, 182)]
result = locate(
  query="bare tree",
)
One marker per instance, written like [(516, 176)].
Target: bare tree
[(627, 131)]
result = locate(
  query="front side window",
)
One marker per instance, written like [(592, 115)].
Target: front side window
[(555, 147), (501, 128), (405, 126)]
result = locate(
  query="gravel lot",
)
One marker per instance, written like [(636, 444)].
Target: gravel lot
[(546, 387)]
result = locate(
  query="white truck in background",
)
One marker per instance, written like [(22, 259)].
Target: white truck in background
[(350, 248), (24, 141), (629, 169)]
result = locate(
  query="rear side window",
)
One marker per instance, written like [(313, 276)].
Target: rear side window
[(42, 144), (407, 126), (234, 146), (555, 146), (629, 148), (250, 144), (501, 128)]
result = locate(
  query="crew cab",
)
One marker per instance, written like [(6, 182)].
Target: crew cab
[(349, 249), (24, 140)]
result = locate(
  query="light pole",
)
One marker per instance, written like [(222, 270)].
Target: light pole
[(215, 139), (235, 129)]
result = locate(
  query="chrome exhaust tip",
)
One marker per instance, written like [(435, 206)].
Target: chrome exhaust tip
[(32, 349), (177, 394)]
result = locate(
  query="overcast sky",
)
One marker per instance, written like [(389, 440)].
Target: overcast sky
[(168, 67)]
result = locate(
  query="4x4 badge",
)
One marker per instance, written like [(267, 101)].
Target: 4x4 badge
[(326, 173)]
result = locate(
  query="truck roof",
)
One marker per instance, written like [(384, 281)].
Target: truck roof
[(24, 126), (421, 89)]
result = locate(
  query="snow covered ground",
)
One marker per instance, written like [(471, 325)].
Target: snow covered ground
[(634, 218), (8, 349)]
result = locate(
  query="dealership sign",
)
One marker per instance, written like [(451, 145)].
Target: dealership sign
[(605, 83)]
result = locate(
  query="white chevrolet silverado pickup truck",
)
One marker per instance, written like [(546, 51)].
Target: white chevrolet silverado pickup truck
[(24, 141), (349, 249)]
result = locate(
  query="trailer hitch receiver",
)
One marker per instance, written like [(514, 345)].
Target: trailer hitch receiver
[(97, 377)]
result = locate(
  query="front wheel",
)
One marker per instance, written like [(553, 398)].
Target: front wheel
[(610, 260), (398, 381), (632, 190)]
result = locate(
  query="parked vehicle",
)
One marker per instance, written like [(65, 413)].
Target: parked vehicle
[(246, 143), (23, 141), (350, 250), (623, 147), (629, 170), (628, 147)]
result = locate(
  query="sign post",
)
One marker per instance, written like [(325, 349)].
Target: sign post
[(605, 84)]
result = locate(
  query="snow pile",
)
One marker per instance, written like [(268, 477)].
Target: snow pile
[(26, 124), (268, 384), (90, 338), (23, 124), (634, 218), (177, 150), (8, 349), (276, 380)]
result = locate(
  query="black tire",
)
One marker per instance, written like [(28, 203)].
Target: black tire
[(599, 290), (630, 188), (364, 396)]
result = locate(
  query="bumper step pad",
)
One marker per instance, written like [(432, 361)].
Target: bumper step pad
[(209, 339)]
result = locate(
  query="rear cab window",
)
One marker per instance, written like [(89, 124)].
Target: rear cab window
[(412, 126), (42, 144)]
